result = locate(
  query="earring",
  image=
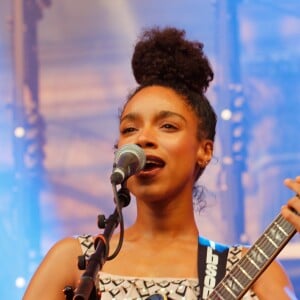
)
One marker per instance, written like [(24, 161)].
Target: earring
[(203, 164)]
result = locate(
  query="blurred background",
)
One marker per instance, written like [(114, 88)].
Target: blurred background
[(64, 74)]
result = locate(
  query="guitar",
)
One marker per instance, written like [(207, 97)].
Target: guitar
[(240, 278)]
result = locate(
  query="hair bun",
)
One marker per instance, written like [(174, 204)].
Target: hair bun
[(166, 57)]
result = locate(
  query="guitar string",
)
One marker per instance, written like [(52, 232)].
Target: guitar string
[(262, 243)]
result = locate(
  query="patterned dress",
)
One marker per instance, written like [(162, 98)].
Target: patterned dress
[(115, 287)]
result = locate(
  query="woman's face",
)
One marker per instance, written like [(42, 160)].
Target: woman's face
[(158, 120)]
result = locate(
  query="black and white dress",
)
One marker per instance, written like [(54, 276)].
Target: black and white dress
[(115, 287)]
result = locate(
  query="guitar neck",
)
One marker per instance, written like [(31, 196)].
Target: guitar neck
[(240, 278)]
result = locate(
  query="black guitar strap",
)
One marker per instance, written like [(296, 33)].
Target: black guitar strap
[(212, 258)]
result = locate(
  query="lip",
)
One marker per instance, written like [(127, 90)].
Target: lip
[(160, 164), (147, 174)]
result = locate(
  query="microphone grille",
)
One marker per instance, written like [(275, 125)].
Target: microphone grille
[(135, 150)]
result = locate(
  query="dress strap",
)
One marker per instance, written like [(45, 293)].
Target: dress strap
[(87, 245)]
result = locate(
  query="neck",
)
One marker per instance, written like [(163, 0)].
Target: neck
[(165, 220)]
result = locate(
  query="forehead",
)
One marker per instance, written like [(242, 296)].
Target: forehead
[(156, 98)]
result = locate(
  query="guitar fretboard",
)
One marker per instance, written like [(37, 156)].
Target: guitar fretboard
[(236, 283)]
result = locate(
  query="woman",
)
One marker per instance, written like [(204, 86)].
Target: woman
[(169, 117)]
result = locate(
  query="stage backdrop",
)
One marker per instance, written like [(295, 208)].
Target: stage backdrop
[(69, 112)]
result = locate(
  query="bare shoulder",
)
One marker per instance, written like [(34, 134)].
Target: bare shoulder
[(64, 252), (57, 270), (65, 248), (273, 281)]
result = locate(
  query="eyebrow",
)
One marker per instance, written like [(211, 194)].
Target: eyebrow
[(161, 115)]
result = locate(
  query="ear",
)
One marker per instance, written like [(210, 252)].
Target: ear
[(205, 152)]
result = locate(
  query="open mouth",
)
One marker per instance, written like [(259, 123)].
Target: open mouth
[(153, 163)]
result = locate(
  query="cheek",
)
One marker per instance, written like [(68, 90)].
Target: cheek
[(121, 142), (184, 157), (184, 147)]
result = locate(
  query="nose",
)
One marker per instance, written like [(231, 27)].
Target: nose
[(146, 138)]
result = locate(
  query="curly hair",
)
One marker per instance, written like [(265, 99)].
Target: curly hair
[(165, 57)]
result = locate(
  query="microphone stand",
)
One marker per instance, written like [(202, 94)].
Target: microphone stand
[(86, 289)]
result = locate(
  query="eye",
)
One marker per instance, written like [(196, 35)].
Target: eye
[(128, 130), (169, 126)]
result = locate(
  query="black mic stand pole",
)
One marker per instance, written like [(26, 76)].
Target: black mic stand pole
[(86, 289)]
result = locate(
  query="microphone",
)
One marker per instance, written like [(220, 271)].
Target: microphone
[(129, 160)]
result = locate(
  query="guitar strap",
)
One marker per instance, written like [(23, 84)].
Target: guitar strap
[(212, 259)]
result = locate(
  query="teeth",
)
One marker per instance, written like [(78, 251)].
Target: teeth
[(151, 162)]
